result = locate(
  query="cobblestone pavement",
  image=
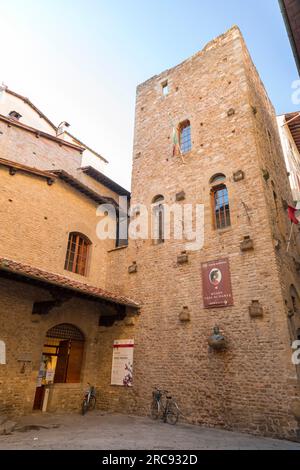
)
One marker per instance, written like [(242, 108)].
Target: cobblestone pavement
[(98, 430)]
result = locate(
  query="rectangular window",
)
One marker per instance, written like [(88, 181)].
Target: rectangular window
[(185, 137), (221, 207), (77, 253)]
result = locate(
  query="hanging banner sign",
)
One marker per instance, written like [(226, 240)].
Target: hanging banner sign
[(216, 282), (2, 352), (122, 362)]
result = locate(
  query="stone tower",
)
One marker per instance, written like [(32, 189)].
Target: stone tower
[(252, 384)]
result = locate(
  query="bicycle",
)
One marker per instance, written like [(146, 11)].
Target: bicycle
[(89, 401), (164, 406)]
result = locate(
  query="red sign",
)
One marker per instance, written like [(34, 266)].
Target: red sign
[(216, 282)]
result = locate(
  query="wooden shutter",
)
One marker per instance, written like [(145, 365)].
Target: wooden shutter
[(62, 362), (75, 362)]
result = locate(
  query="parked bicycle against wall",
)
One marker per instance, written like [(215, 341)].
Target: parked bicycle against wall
[(164, 406), (89, 401)]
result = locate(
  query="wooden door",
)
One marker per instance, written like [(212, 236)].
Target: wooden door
[(75, 362), (62, 362)]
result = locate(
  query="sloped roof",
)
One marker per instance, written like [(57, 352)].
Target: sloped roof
[(52, 175), (48, 175), (37, 110), (103, 179), (291, 14), (54, 127), (86, 146), (46, 277), (12, 122), (293, 123)]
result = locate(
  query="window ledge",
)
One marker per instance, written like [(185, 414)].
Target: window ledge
[(223, 230), (76, 275), (154, 243), (118, 248), (187, 154)]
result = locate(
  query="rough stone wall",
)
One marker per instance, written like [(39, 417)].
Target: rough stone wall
[(19, 145), (278, 193), (36, 222), (24, 333), (247, 387), (24, 147)]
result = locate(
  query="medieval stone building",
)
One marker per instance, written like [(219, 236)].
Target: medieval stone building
[(67, 294)]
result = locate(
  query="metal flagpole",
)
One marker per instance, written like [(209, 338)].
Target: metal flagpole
[(289, 240)]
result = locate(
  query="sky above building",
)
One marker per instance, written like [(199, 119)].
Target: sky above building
[(81, 60)]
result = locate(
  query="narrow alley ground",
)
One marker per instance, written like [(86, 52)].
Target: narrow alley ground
[(98, 430)]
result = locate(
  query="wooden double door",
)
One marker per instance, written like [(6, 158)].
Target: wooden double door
[(69, 361), (68, 367)]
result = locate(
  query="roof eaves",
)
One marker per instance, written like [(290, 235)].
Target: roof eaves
[(290, 33), (87, 147), (38, 133), (27, 101), (64, 282), (50, 176), (103, 179), (83, 188)]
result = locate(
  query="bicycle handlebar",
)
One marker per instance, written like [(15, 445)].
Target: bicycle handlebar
[(161, 390)]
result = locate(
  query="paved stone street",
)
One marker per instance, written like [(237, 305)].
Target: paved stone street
[(98, 430)]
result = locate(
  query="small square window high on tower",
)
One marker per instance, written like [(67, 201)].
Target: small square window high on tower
[(165, 88)]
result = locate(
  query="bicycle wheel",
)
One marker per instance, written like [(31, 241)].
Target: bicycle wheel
[(92, 403), (155, 409), (84, 406), (172, 413)]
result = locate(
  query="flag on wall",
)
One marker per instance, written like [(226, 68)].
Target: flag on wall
[(175, 139), (294, 213)]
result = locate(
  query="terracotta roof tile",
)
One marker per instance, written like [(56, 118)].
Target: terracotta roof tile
[(88, 290)]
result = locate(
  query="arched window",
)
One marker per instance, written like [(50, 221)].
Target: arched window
[(77, 253), (220, 202), (217, 178), (158, 218), (185, 136)]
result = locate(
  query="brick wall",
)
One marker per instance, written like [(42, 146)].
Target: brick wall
[(24, 147), (251, 386), (37, 219), (25, 333)]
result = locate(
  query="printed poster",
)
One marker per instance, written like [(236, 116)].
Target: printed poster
[(122, 362), (216, 282)]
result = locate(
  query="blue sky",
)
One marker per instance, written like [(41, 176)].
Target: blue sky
[(80, 60)]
